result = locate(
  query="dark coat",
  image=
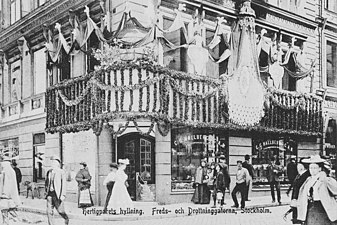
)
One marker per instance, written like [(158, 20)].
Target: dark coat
[(224, 169), (220, 183), (18, 174), (298, 182), (291, 171), (249, 167), (83, 179), (274, 172)]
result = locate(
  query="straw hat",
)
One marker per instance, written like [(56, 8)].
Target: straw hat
[(314, 159)]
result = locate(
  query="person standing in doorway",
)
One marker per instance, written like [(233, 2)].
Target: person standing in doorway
[(55, 187), (18, 174), (109, 182), (273, 173), (291, 173), (241, 185), (83, 179), (249, 167)]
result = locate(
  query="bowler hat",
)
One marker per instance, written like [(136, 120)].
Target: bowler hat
[(247, 157), (222, 157)]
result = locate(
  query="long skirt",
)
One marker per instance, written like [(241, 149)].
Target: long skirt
[(316, 215), (201, 194), (84, 199)]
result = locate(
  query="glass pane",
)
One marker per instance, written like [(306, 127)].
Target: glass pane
[(13, 12), (18, 10), (331, 64)]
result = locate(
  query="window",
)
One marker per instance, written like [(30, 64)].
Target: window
[(264, 149), (331, 64), (15, 81), (145, 160), (38, 3), (189, 147), (26, 4), (331, 5), (15, 10), (38, 156), (40, 70), (10, 147), (64, 65), (93, 44)]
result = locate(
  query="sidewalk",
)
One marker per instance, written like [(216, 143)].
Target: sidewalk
[(143, 210)]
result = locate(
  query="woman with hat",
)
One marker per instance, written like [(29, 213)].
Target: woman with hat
[(109, 182), (317, 197), (120, 198), (202, 193), (83, 179)]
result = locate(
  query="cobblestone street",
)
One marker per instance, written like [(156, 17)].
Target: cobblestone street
[(274, 217)]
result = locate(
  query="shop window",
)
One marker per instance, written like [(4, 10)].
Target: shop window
[(10, 147), (331, 64), (331, 141), (264, 149), (189, 147), (40, 71), (38, 157)]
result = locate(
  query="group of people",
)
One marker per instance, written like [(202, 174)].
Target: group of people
[(213, 181), (314, 195)]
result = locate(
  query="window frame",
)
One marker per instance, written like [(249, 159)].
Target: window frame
[(37, 178), (326, 38), (15, 2)]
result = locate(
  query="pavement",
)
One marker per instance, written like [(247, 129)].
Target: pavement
[(153, 211)]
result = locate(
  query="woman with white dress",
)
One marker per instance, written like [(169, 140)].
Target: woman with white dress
[(120, 198)]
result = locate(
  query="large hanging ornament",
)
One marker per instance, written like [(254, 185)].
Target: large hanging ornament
[(245, 88)]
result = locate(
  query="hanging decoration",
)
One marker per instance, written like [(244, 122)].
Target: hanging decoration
[(245, 88)]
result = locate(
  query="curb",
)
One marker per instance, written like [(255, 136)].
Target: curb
[(131, 217)]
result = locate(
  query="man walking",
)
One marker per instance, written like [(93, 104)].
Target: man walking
[(273, 173), (241, 184), (249, 167), (224, 169), (55, 185), (291, 173)]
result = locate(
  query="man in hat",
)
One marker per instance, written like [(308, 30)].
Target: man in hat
[(224, 168), (55, 187), (109, 182), (291, 173), (250, 169), (18, 174), (273, 173), (242, 176)]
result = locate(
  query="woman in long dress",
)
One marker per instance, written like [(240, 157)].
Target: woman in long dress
[(83, 179), (202, 193), (120, 198)]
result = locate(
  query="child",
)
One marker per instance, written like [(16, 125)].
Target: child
[(219, 186)]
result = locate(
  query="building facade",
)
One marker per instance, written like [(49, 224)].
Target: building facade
[(165, 90)]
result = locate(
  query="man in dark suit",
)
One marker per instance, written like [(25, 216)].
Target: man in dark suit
[(273, 173), (55, 186), (301, 177), (291, 172), (250, 169), (18, 174), (224, 167)]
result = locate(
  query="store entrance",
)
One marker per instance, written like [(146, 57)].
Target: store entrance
[(139, 150)]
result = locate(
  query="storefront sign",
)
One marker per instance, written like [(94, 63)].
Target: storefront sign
[(330, 104), (283, 23), (29, 24)]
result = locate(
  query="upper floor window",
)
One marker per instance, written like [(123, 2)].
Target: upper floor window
[(38, 3), (40, 71), (331, 64), (15, 10), (331, 5)]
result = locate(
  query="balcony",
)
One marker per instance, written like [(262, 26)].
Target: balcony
[(136, 90)]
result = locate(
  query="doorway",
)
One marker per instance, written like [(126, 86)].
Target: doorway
[(139, 150)]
